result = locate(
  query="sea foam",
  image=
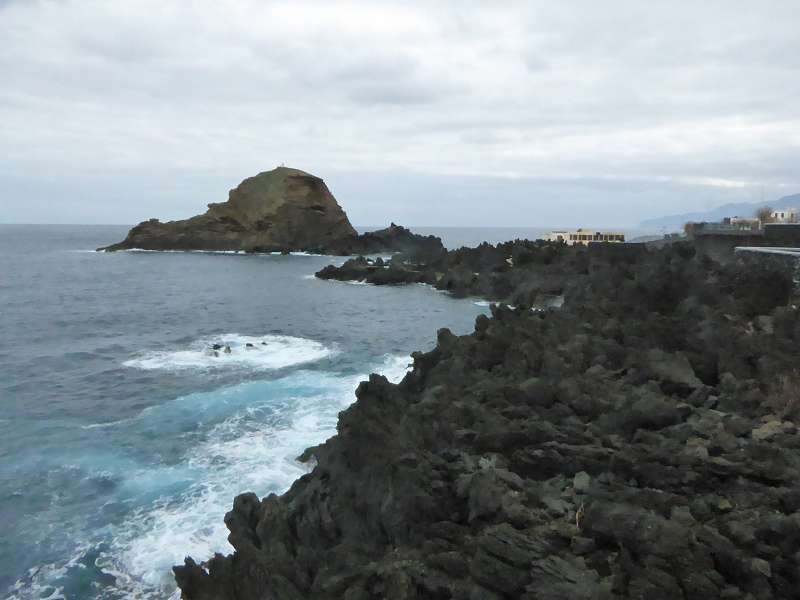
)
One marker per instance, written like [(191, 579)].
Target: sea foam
[(255, 432), (266, 352), (254, 449)]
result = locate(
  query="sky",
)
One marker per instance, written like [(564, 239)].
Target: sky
[(461, 113)]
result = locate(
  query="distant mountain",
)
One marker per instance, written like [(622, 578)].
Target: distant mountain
[(742, 209)]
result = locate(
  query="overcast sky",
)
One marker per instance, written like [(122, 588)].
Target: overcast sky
[(534, 113)]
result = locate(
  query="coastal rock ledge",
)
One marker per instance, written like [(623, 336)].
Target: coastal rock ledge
[(280, 210), (640, 442)]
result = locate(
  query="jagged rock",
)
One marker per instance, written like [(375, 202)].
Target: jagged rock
[(279, 210), (581, 481), (625, 445), (394, 238)]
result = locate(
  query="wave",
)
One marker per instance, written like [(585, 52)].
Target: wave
[(260, 428), (395, 367), (247, 439), (308, 254), (266, 352), (349, 281), (217, 252), (181, 251), (254, 449), (107, 424)]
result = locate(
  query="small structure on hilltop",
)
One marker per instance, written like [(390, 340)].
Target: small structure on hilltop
[(784, 215), (746, 223), (719, 240), (584, 236)]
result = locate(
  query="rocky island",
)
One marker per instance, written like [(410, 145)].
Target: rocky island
[(640, 441), (282, 210)]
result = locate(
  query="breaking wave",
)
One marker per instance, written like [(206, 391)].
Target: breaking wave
[(267, 352), (252, 434)]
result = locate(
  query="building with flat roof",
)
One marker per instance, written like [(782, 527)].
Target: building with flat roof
[(742, 222), (784, 215), (584, 236)]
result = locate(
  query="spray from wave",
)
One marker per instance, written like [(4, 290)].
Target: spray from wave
[(251, 447), (233, 350)]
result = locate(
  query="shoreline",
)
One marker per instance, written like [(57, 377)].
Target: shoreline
[(613, 446)]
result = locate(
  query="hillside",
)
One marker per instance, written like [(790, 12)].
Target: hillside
[(741, 209)]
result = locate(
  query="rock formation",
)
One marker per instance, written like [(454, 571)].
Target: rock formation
[(394, 238), (280, 210), (639, 442), (534, 273)]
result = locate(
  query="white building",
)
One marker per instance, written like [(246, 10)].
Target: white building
[(742, 222), (784, 215), (584, 236)]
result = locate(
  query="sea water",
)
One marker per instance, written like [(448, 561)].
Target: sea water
[(123, 439)]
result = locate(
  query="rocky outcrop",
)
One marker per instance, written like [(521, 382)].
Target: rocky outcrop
[(280, 210), (534, 273), (394, 238), (639, 442)]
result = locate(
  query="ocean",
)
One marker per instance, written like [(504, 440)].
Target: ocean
[(124, 441)]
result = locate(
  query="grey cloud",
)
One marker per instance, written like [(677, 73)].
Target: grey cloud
[(607, 111)]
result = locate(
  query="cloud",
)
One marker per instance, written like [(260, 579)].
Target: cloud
[(696, 99)]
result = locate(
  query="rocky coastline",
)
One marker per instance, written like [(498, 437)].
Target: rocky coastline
[(520, 272), (638, 442)]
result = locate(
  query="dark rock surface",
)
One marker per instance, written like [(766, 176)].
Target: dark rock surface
[(394, 238), (282, 210), (640, 442), (534, 273), (279, 210)]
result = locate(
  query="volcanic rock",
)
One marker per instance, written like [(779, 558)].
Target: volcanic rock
[(280, 210), (623, 446), (394, 238)]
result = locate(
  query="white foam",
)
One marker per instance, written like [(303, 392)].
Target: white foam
[(394, 368), (252, 450), (267, 352), (107, 424), (37, 582), (349, 281), (482, 303), (307, 254), (182, 251)]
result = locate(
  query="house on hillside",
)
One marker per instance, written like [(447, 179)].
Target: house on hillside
[(748, 223), (784, 215), (584, 236)]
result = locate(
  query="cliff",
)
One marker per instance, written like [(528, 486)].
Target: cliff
[(280, 210), (639, 442)]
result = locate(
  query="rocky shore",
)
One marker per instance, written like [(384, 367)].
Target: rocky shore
[(638, 442), (532, 273)]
